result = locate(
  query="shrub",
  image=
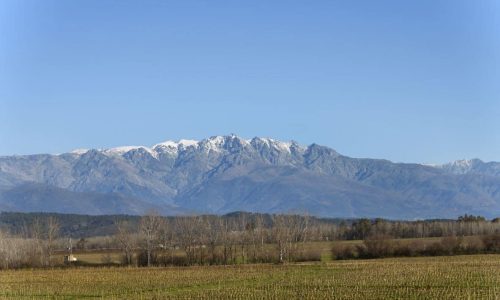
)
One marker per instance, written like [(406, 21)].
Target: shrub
[(265, 256), (451, 245), (378, 246), (407, 249), (308, 255), (142, 258), (472, 245), (492, 243), (434, 249), (446, 246), (344, 251)]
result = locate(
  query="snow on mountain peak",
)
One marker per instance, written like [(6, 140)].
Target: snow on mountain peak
[(272, 143), (464, 163), (79, 151), (171, 146), (461, 166), (124, 149), (219, 143), (187, 143), (215, 144), (168, 144)]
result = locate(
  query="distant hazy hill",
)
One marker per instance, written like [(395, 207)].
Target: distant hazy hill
[(227, 173)]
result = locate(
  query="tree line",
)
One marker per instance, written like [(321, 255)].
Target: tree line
[(213, 240), (240, 238)]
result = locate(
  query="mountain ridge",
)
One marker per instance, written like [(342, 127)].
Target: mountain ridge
[(227, 173)]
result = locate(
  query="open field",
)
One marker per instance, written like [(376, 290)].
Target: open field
[(453, 277), (101, 256)]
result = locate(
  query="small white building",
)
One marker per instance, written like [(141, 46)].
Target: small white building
[(69, 259)]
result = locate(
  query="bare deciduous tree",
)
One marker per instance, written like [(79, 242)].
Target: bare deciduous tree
[(187, 231), (125, 240), (3, 250), (35, 233), (150, 227), (288, 231), (213, 230), (52, 234), (279, 233), (261, 235)]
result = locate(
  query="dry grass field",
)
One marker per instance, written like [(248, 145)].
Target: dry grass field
[(453, 277)]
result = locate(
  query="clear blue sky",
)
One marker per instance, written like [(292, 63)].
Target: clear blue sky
[(411, 81)]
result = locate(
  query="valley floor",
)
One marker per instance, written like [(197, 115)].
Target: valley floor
[(452, 277)]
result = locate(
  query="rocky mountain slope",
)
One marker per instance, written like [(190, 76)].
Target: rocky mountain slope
[(221, 174)]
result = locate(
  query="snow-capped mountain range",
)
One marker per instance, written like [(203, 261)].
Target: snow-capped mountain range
[(221, 174), (215, 143)]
